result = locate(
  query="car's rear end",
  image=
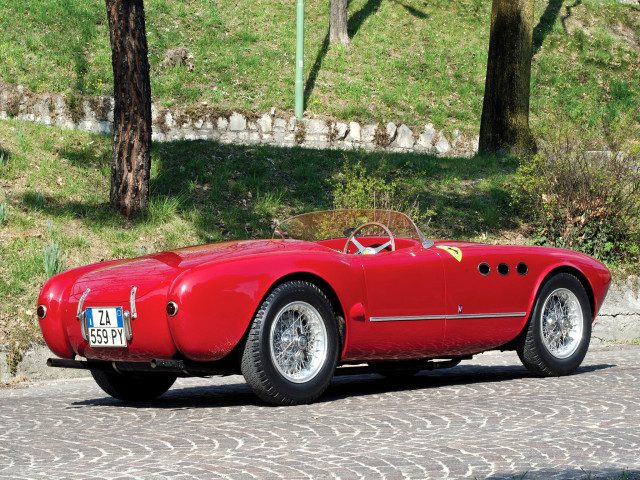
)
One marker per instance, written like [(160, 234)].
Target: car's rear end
[(192, 303), (110, 311)]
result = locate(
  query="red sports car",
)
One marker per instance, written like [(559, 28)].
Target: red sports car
[(333, 292)]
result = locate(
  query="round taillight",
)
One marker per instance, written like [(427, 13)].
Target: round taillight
[(172, 308), (41, 311)]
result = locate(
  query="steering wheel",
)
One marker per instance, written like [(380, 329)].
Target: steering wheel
[(369, 250)]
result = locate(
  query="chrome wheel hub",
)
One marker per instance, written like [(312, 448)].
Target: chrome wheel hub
[(298, 342), (561, 323)]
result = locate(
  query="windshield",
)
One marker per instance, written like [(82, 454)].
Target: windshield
[(327, 224)]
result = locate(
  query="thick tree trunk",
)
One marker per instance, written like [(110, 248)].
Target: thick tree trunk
[(131, 154), (505, 111), (338, 23)]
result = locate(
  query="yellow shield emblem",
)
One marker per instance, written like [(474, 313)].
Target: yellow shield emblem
[(454, 251)]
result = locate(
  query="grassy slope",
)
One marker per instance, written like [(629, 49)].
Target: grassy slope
[(412, 61)]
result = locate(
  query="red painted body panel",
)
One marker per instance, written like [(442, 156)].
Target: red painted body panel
[(218, 302), (412, 303), (55, 296), (406, 283)]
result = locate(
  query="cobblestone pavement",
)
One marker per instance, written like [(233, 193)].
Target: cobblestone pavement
[(487, 418)]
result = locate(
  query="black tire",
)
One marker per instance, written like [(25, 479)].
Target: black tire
[(534, 351), (133, 387), (265, 375)]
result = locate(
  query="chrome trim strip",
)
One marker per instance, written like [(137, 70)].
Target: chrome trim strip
[(448, 317), (84, 295), (486, 315), (132, 301), (404, 319), (84, 329), (128, 332)]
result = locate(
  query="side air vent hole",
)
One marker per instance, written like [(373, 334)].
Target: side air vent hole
[(503, 269), (522, 268), (484, 269)]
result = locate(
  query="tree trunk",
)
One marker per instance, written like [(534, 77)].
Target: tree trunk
[(505, 111), (338, 23), (131, 153)]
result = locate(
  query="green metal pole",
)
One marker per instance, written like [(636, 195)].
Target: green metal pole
[(300, 60)]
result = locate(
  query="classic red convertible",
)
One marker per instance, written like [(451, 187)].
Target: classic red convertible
[(344, 291)]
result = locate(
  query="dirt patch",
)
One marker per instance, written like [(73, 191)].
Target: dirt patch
[(627, 34), (301, 133), (381, 137), (17, 382)]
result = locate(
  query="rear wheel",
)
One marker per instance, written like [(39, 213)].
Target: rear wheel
[(559, 329), (133, 387), (291, 351)]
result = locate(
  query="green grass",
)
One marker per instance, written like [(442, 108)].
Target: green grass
[(56, 188), (411, 61)]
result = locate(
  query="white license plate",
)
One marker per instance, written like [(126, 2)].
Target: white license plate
[(106, 327)]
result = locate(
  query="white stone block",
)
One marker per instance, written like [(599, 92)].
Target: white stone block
[(265, 123), (341, 130), (222, 123), (316, 127), (405, 137), (368, 133), (392, 131), (426, 137), (442, 146), (279, 125), (237, 122), (354, 131)]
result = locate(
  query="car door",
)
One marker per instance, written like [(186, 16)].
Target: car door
[(486, 299), (404, 308)]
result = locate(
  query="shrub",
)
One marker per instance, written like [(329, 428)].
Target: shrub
[(358, 188), (4, 161), (54, 260), (583, 200), (4, 213)]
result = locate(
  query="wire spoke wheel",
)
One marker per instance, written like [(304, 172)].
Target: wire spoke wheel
[(298, 342), (293, 345), (561, 323), (556, 337)]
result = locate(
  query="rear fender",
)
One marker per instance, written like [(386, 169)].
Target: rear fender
[(55, 297), (217, 301)]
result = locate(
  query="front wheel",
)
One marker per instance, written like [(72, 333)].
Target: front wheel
[(133, 387), (559, 329), (292, 347)]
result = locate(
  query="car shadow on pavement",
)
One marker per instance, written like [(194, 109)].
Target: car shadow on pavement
[(570, 473), (344, 387), (240, 395)]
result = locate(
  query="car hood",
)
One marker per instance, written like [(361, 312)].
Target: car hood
[(114, 282)]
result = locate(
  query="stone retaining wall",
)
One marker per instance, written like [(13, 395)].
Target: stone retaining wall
[(95, 114), (619, 317)]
